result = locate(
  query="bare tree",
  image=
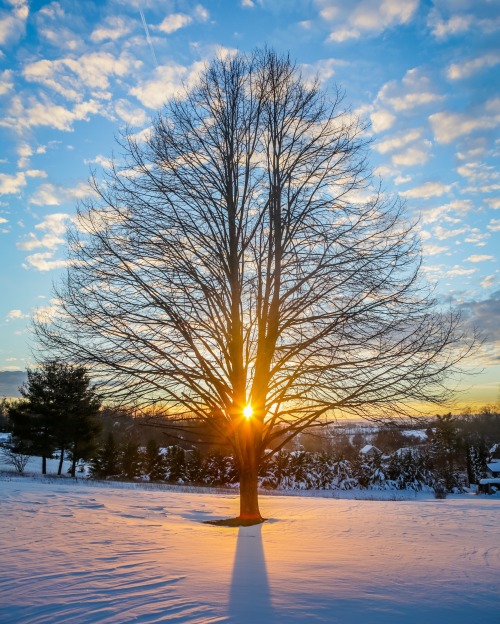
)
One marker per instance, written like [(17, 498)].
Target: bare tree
[(15, 455), (229, 270)]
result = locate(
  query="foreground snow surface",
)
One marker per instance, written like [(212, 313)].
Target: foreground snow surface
[(71, 552)]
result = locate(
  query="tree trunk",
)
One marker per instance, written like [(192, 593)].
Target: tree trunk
[(44, 464), (61, 459), (249, 497), (73, 465)]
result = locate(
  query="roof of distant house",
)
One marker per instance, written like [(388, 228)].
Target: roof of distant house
[(368, 448)]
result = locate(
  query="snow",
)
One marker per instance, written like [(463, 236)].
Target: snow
[(494, 467), (82, 552), (369, 448), (415, 433)]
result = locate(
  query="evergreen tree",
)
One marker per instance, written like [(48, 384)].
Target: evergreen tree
[(446, 451), (410, 470), (342, 475), (105, 462), (175, 461), (477, 455), (130, 459), (58, 413), (153, 463), (369, 471), (274, 473), (219, 470), (33, 429), (194, 466)]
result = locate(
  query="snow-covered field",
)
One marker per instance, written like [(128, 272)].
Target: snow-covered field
[(74, 553)]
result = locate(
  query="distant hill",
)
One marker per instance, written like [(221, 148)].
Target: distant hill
[(10, 382)]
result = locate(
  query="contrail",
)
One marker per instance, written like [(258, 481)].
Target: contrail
[(148, 38)]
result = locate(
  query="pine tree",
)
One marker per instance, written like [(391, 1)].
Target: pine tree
[(175, 462), (130, 460), (105, 463), (445, 447), (477, 455), (153, 463), (58, 412), (194, 466)]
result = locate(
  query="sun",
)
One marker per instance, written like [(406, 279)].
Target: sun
[(248, 411)]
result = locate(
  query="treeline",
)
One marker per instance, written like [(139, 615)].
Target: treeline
[(453, 454), (60, 414), (287, 470)]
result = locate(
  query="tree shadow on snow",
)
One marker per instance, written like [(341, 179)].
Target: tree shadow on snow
[(250, 596)]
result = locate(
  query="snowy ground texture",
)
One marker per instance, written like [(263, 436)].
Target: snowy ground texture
[(78, 553)]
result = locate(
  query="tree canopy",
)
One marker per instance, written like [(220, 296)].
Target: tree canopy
[(239, 256)]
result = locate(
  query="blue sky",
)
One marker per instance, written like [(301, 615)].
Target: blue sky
[(425, 74)]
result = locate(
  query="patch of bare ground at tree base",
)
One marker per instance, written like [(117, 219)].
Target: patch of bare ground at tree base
[(236, 522)]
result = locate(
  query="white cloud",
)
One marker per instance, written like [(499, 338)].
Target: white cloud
[(48, 241), (489, 280), (16, 315), (384, 171), (458, 71), (442, 28), (365, 17), (53, 25), (477, 238), (427, 190), (43, 112), (100, 160), (430, 249), (478, 258), (51, 195), (45, 195), (176, 21), (382, 120), (43, 261), (414, 90), (249, 4), (70, 77), (322, 69), (2, 220), (494, 225), (173, 22), (412, 155), (45, 314), (457, 271), (416, 154), (12, 184), (457, 17), (479, 173), (24, 152), (35, 173), (169, 81), (6, 81), (13, 21), (397, 142), (113, 28), (131, 115), (442, 233), (200, 13), (55, 225), (493, 203), (450, 126), (400, 179), (475, 150)]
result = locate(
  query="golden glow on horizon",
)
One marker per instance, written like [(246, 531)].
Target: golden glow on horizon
[(248, 411)]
